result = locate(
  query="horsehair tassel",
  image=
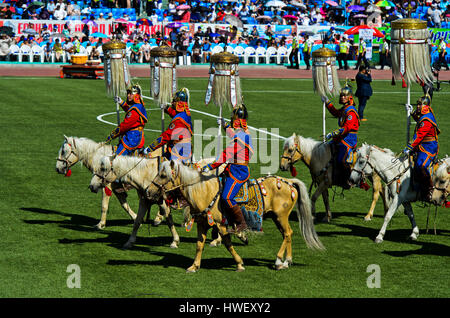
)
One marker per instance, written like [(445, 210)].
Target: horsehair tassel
[(189, 225), (210, 218), (108, 191)]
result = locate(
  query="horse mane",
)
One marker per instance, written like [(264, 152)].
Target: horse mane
[(89, 152), (307, 146), (442, 172), (195, 181), (126, 167), (386, 150)]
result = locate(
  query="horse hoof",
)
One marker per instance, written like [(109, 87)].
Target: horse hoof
[(281, 267), (240, 268), (191, 269), (214, 244), (127, 246), (413, 237), (174, 245), (379, 240), (99, 226), (367, 218)]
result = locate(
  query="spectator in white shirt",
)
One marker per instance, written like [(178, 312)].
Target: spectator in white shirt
[(60, 14)]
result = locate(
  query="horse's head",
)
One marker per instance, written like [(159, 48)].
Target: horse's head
[(362, 166), (165, 181), (291, 154), (67, 156), (103, 175), (441, 182)]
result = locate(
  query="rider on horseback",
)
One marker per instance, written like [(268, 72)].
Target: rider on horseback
[(237, 156), (425, 144), (131, 129), (344, 138), (178, 135)]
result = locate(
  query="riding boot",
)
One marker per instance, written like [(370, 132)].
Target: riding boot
[(238, 219), (427, 189)]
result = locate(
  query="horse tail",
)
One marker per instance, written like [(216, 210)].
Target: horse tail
[(305, 218)]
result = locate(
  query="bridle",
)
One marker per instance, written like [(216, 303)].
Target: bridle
[(66, 160), (361, 171), (291, 158), (445, 189)]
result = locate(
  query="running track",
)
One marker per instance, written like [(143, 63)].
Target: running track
[(245, 71)]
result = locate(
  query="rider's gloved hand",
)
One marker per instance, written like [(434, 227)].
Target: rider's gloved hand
[(407, 150)]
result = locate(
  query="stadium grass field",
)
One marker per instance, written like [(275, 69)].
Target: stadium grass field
[(47, 220)]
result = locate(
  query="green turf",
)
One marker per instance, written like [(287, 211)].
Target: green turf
[(47, 220)]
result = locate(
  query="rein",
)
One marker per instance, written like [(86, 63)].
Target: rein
[(163, 189), (363, 175), (291, 158)]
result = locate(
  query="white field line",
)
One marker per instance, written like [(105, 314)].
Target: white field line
[(101, 119)]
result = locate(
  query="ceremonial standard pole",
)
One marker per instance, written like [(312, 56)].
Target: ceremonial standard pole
[(117, 73), (325, 78)]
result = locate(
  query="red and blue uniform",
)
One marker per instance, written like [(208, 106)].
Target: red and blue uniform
[(425, 140), (346, 138), (237, 156), (178, 136), (131, 129)]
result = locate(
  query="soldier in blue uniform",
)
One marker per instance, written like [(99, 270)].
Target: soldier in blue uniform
[(131, 129), (425, 145)]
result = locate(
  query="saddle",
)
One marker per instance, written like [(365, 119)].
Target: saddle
[(251, 202)]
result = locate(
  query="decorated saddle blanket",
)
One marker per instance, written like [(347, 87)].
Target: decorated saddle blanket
[(251, 201)]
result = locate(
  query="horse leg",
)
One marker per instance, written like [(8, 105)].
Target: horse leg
[(171, 225), (144, 206), (227, 242), (122, 197), (162, 212), (217, 238), (409, 212), (283, 226), (392, 208), (377, 189), (320, 189), (186, 215), (105, 204), (202, 229), (326, 202)]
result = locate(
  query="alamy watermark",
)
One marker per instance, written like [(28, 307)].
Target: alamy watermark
[(374, 279), (74, 279), (207, 143)]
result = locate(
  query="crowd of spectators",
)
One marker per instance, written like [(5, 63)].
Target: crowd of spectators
[(198, 45), (283, 12)]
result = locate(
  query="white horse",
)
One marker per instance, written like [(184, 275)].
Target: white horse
[(316, 155), (139, 173), (396, 173), (441, 182), (89, 152)]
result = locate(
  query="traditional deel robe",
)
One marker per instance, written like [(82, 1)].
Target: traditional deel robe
[(131, 129), (425, 140), (237, 156), (347, 137), (177, 137)]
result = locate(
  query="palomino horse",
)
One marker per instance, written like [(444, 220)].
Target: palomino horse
[(396, 173), (89, 152), (441, 181), (317, 156), (138, 172), (203, 190)]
